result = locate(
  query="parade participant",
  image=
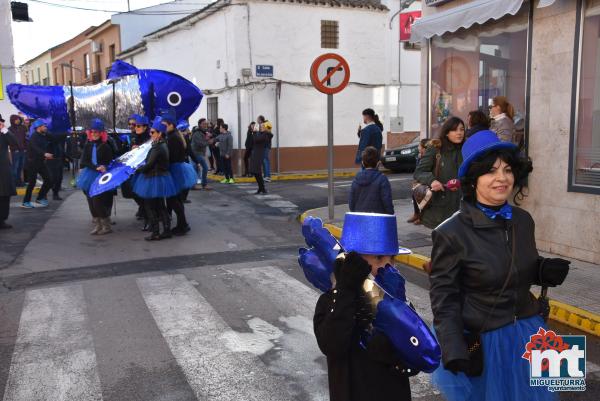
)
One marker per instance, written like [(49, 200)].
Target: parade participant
[(184, 129), (362, 363), (154, 183), (184, 175), (97, 155), (7, 184), (140, 135), (259, 141), (484, 262), (37, 154)]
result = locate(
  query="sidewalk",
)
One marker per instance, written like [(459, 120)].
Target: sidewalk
[(294, 175), (575, 303)]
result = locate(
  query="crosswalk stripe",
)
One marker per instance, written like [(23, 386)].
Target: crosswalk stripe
[(54, 357), (192, 330)]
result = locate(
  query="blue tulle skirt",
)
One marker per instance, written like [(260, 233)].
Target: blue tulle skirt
[(505, 374), (184, 175), (86, 178), (161, 186)]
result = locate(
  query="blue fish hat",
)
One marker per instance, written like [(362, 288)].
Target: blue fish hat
[(38, 123), (479, 144), (183, 125), (141, 120), (158, 125), (370, 234), (97, 124), (169, 116)]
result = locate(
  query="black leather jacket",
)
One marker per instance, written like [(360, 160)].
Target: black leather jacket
[(470, 262), (157, 161)]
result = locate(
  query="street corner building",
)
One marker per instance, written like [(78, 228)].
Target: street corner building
[(543, 55), (253, 58)]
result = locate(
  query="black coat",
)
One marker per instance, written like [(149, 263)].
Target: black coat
[(356, 373), (371, 193), (104, 154), (157, 160), (7, 184), (36, 148), (470, 262), (177, 148), (259, 142)]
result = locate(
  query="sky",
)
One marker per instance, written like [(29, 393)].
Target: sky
[(53, 25)]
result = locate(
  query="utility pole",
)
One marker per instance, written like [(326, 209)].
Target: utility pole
[(128, 8)]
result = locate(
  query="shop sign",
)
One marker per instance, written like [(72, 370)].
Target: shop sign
[(406, 21), (435, 3)]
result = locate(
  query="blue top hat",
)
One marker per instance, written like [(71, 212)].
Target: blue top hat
[(97, 124), (133, 117), (158, 125), (38, 123), (478, 145), (370, 234), (183, 125), (169, 116), (141, 120)]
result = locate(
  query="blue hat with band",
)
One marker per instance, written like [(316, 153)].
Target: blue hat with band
[(478, 145), (169, 116), (97, 124), (370, 234), (141, 120), (158, 125)]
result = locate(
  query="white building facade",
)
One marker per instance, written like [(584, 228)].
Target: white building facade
[(8, 69), (219, 49)]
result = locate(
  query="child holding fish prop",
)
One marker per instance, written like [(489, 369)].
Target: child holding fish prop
[(363, 323)]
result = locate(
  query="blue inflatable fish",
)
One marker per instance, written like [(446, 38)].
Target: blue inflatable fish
[(413, 341), (135, 91)]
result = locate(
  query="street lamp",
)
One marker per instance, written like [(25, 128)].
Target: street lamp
[(72, 99)]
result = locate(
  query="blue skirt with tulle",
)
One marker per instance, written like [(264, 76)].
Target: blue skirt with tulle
[(161, 186), (505, 374), (86, 178), (184, 175)]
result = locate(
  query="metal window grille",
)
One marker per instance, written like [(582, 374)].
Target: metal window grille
[(329, 34), (212, 112)]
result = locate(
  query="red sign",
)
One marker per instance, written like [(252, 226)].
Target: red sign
[(330, 73), (406, 21)]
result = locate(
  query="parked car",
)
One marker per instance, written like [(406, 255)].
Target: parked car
[(403, 158)]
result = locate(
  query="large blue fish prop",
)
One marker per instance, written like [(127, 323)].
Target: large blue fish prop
[(134, 91), (413, 341)]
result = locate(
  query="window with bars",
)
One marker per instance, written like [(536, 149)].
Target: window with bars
[(212, 112), (329, 34)]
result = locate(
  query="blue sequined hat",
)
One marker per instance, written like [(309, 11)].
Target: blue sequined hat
[(158, 125), (182, 125), (479, 144), (97, 124), (370, 234), (141, 120), (169, 116)]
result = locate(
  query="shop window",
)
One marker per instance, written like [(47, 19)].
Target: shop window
[(471, 66), (212, 112), (329, 34), (584, 173)]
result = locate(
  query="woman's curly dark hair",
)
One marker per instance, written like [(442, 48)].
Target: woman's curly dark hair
[(521, 167)]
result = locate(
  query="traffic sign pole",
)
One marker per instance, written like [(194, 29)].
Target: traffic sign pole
[(330, 197)]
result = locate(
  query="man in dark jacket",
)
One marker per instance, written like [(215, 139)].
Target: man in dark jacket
[(37, 154), (19, 150), (371, 191)]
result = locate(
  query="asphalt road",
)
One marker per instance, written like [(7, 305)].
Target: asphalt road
[(221, 314)]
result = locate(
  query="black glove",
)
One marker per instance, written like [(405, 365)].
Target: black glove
[(459, 365), (351, 273), (553, 271)]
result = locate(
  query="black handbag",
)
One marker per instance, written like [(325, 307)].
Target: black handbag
[(473, 339)]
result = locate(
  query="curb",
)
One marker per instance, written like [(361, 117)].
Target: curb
[(21, 191), (287, 177), (563, 313)]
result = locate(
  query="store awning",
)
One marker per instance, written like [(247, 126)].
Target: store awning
[(475, 12)]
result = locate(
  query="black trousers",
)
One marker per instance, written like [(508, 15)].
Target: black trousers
[(175, 204), (247, 155), (218, 162), (56, 167), (261, 182), (101, 205), (32, 173), (154, 209), (4, 207), (227, 167)]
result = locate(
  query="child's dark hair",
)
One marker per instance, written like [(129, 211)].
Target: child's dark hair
[(478, 117), (225, 126), (423, 142), (521, 167), (370, 157)]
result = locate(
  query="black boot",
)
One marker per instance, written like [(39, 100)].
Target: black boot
[(154, 229), (166, 222), (146, 225)]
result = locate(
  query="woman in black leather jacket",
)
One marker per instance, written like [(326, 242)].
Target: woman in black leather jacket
[(155, 183), (484, 262)]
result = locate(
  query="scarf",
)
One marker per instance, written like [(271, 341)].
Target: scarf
[(504, 212)]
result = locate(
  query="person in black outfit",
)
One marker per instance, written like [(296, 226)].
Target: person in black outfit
[(97, 155), (184, 129), (7, 184), (154, 183), (177, 154), (259, 142), (477, 121), (358, 370), (248, 145), (37, 155), (56, 165), (140, 134)]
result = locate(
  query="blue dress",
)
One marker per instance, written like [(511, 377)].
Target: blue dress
[(87, 176), (183, 175)]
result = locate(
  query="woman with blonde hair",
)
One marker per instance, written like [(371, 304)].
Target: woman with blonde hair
[(502, 114)]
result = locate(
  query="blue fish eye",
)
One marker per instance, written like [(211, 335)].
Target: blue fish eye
[(174, 99)]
